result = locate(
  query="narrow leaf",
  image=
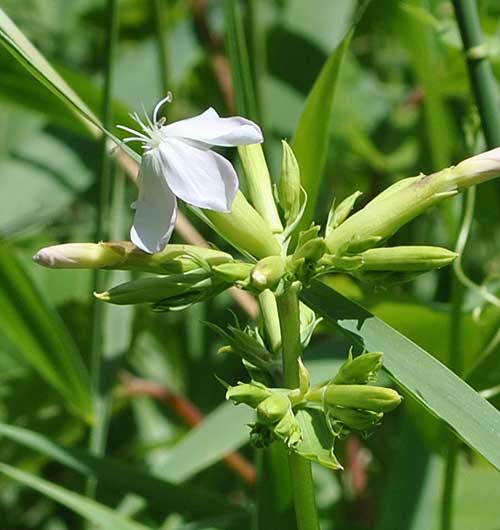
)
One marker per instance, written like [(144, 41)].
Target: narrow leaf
[(428, 381), (39, 335), (121, 477), (93, 511)]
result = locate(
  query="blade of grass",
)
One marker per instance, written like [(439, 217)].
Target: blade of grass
[(100, 385), (121, 477), (98, 514), (429, 382), (38, 334)]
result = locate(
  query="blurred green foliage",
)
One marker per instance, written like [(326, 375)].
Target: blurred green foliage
[(402, 105)]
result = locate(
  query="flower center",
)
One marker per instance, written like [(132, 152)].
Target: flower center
[(150, 134)]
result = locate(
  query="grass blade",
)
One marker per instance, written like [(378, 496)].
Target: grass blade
[(94, 512), (39, 335), (429, 382)]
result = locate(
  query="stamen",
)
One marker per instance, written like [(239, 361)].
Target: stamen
[(148, 120), (167, 99), (134, 132), (138, 120)]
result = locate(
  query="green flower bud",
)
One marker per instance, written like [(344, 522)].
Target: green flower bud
[(233, 272), (178, 289), (289, 184), (359, 370), (288, 429), (245, 229), (311, 251), (364, 397), (259, 184), (272, 409), (405, 200), (406, 259), (267, 273), (123, 255), (251, 394), (359, 420), (340, 213)]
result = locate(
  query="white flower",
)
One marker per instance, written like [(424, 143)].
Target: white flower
[(178, 162)]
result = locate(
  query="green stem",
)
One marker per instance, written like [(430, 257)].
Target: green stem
[(99, 429), (300, 469), (160, 14), (480, 72)]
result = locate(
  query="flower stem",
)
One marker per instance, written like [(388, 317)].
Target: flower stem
[(160, 11), (99, 429), (300, 469), (480, 72)]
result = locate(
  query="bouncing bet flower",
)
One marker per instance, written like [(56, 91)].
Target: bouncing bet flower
[(178, 162)]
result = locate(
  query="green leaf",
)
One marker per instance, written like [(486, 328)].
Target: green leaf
[(121, 477), (317, 442), (21, 48), (93, 511), (209, 442), (312, 137), (39, 335), (432, 385)]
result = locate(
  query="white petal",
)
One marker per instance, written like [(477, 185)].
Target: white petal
[(155, 209), (210, 129), (198, 176)]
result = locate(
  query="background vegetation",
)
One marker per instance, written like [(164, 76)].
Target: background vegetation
[(403, 104)]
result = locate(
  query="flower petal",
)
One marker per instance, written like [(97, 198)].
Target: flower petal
[(210, 129), (155, 210), (198, 176)]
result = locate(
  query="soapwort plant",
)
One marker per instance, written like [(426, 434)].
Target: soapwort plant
[(274, 260)]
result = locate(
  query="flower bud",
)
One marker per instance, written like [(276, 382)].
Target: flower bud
[(245, 229), (123, 255), (359, 370), (267, 273), (172, 288), (364, 397), (406, 199), (251, 394), (259, 184), (359, 420), (406, 258), (311, 251), (272, 409), (339, 214), (233, 272), (289, 184)]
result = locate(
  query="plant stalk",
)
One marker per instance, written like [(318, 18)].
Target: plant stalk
[(300, 469), (480, 72), (160, 11), (99, 429)]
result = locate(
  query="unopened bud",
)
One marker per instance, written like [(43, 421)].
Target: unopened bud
[(259, 184), (359, 370), (123, 255), (406, 258), (245, 229), (251, 394), (233, 272), (267, 273), (359, 420), (364, 397), (405, 200), (340, 213), (311, 251), (156, 289), (289, 184), (272, 409)]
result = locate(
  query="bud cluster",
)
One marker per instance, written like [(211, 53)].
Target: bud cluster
[(348, 402)]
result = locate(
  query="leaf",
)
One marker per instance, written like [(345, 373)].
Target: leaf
[(121, 477), (21, 48), (222, 431), (317, 442), (93, 511), (428, 381), (39, 335), (312, 137)]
